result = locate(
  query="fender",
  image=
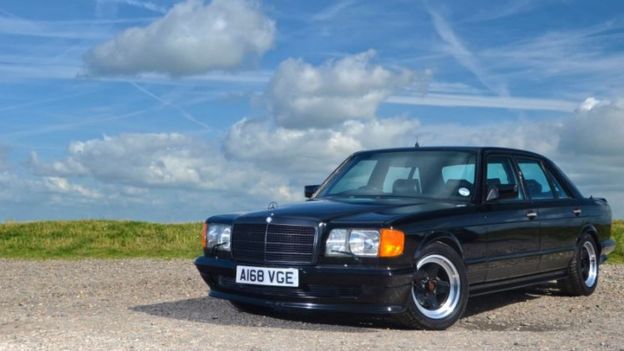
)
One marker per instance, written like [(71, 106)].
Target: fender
[(593, 231), (444, 237)]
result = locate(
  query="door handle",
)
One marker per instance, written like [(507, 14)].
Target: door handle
[(532, 214), (577, 211)]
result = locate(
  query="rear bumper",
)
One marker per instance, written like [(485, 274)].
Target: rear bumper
[(338, 288)]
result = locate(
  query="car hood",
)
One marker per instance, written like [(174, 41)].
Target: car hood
[(355, 210)]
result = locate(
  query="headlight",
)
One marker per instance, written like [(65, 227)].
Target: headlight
[(219, 235), (336, 244), (365, 242)]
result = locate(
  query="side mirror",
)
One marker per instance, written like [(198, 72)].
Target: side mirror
[(501, 192), (309, 190)]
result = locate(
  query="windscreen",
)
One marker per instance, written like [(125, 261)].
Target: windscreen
[(409, 174)]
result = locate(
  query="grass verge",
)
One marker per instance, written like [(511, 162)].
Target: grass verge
[(617, 231), (99, 239), (125, 239)]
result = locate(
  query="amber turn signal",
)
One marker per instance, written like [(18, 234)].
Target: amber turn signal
[(392, 243), (204, 233)]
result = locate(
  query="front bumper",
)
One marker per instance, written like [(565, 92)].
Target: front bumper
[(338, 288)]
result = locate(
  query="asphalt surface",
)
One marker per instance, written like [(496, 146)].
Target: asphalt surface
[(152, 304)]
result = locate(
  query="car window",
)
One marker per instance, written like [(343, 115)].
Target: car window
[(559, 190), (537, 184), (459, 179), (459, 172), (419, 173), (500, 172), (357, 176)]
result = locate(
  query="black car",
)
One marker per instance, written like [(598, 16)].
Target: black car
[(411, 233)]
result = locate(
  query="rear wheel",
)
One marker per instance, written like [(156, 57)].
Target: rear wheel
[(583, 269), (439, 291)]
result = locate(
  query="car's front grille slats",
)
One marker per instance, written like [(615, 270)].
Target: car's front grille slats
[(273, 243)]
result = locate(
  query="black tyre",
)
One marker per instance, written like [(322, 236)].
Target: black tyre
[(583, 269), (439, 292)]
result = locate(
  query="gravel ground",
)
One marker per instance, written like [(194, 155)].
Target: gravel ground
[(151, 304)]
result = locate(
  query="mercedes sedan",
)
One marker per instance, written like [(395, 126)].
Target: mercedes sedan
[(411, 234)]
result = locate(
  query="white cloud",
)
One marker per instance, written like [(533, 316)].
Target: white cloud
[(259, 161), (192, 38), (169, 161), (15, 188), (302, 95), (537, 137), (137, 159), (505, 102), (313, 153), (63, 186), (595, 130), (588, 104)]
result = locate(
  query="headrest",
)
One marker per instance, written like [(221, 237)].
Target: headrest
[(406, 186), (534, 186), (494, 182)]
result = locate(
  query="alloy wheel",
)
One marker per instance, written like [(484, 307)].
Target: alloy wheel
[(589, 264), (436, 287)]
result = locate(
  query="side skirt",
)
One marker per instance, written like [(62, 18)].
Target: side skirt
[(515, 283)]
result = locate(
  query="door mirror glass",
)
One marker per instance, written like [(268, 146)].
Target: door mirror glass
[(492, 194), (309, 190)]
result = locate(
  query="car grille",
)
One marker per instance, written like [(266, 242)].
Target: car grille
[(273, 243)]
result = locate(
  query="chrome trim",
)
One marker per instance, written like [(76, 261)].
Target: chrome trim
[(592, 275)]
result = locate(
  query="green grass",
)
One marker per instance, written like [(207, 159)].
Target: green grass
[(125, 239), (617, 230), (99, 239)]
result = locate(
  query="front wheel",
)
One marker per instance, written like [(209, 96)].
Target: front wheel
[(583, 269), (439, 291)]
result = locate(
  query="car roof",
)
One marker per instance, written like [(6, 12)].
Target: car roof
[(457, 148)]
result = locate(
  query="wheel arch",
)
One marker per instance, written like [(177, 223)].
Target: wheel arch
[(443, 237), (593, 232)]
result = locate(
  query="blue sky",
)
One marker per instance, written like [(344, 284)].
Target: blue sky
[(172, 111)]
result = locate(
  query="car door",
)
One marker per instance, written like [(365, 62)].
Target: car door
[(559, 214), (512, 230)]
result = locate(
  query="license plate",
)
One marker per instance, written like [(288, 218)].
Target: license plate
[(267, 276)]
